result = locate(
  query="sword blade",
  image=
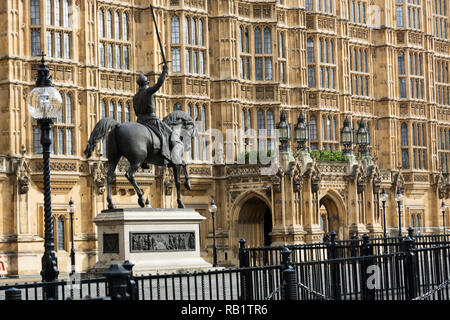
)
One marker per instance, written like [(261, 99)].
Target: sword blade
[(157, 34)]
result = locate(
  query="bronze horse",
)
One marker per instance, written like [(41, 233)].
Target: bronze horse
[(140, 146)]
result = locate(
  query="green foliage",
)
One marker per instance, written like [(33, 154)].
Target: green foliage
[(254, 155), (325, 155)]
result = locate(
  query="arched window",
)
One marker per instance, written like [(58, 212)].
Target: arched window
[(365, 61), (404, 142), (197, 138), (187, 27), (117, 25), (249, 119), (320, 51), (258, 48), (125, 26), (270, 122), (119, 112), (59, 117), (110, 55), (282, 45), (261, 129), (310, 58), (66, 20), (203, 118), (334, 128), (35, 12), (60, 233), (204, 153), (111, 110), (37, 146), (331, 52), (194, 32), (200, 33), (313, 127), (127, 112), (325, 51), (329, 128), (324, 137), (103, 109), (189, 111), (175, 24), (423, 135), (126, 58), (243, 120), (109, 26), (57, 13), (360, 61), (241, 39), (247, 46), (267, 41), (102, 54), (68, 108), (177, 106), (49, 13), (118, 57), (260, 122), (401, 63), (270, 125)]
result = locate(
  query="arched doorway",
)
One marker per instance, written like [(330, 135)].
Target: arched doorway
[(331, 215), (254, 223)]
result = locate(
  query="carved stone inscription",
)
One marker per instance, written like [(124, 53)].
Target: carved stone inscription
[(168, 241)]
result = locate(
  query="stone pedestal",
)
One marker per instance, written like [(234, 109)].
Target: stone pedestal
[(155, 240)]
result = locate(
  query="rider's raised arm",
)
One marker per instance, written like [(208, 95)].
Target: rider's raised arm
[(160, 82)]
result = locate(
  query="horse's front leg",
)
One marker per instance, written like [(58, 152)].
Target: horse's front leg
[(130, 176), (187, 181), (176, 175), (110, 179)]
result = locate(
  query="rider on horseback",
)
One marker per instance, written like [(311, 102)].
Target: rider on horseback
[(144, 107)]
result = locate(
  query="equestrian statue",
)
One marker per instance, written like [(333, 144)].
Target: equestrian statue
[(147, 141)]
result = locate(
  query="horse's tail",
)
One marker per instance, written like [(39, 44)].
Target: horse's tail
[(101, 129)]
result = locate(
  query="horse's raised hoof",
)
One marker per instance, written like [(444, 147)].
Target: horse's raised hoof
[(187, 185), (141, 202), (180, 204)]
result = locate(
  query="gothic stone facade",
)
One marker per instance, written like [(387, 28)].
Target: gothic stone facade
[(235, 65)]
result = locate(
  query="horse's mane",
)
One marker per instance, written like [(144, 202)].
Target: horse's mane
[(178, 117)]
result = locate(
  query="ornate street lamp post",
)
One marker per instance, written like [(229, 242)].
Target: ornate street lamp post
[(443, 207), (347, 137), (384, 197), (212, 210), (301, 132), (284, 131), (44, 103), (399, 198), (71, 210), (363, 139)]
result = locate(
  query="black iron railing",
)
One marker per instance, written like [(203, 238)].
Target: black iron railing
[(408, 268)]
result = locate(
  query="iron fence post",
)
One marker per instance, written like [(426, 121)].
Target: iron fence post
[(334, 267), (117, 278), (246, 276), (410, 270), (13, 294), (288, 277), (411, 232), (132, 287), (366, 263)]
